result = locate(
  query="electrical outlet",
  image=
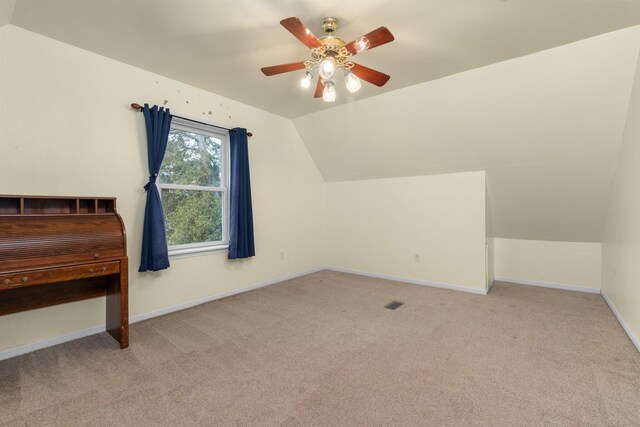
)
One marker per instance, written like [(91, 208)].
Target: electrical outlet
[(416, 257), (282, 255)]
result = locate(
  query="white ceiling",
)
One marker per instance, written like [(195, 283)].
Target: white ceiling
[(220, 45)]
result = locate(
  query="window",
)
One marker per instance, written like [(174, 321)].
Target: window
[(193, 183)]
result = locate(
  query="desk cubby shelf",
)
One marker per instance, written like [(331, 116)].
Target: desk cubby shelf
[(45, 205)]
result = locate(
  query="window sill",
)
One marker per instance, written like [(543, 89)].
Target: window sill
[(196, 251)]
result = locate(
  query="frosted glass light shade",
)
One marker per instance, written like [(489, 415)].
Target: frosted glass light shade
[(352, 82), (327, 67), (329, 92)]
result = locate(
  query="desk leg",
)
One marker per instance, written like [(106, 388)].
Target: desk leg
[(118, 305)]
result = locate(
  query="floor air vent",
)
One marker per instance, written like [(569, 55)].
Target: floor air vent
[(393, 305)]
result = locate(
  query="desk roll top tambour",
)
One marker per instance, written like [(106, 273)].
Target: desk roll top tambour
[(55, 250)]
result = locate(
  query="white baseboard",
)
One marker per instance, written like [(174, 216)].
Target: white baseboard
[(50, 342), (193, 303), (412, 281), (626, 328), (543, 284), (27, 348)]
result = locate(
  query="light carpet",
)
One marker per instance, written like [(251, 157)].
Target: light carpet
[(322, 350)]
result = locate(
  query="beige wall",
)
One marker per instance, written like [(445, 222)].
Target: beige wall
[(562, 263), (67, 129), (378, 226), (621, 242)]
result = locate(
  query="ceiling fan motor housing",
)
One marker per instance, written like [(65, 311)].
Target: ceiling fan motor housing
[(329, 24)]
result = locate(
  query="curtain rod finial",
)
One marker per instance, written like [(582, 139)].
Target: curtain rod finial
[(249, 134), (136, 106)]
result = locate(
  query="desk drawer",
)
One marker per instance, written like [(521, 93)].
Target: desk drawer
[(62, 274)]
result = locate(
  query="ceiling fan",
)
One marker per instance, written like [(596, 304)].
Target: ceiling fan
[(328, 54)]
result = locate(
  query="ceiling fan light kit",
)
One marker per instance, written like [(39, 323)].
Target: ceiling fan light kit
[(306, 80), (329, 91), (326, 67), (330, 53), (351, 81)]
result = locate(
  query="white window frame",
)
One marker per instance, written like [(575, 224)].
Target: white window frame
[(202, 248)]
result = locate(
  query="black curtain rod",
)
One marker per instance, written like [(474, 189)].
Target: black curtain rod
[(136, 106)]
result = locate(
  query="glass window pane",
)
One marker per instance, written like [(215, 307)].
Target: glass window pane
[(192, 159), (192, 216)]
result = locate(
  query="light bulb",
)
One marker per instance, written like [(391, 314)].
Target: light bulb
[(306, 80), (327, 67), (352, 82), (362, 44), (329, 92)]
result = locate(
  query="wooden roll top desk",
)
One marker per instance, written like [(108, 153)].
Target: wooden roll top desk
[(55, 250)]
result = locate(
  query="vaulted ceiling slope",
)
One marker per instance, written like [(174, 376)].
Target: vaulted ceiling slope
[(6, 11), (546, 127), (220, 45)]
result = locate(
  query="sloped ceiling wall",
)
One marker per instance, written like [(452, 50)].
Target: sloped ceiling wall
[(546, 127), (6, 11)]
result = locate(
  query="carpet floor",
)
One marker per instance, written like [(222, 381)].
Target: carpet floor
[(322, 350)]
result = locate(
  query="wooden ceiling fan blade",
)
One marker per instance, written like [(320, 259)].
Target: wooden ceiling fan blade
[(372, 76), (319, 89), (301, 32), (282, 68), (375, 38)]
